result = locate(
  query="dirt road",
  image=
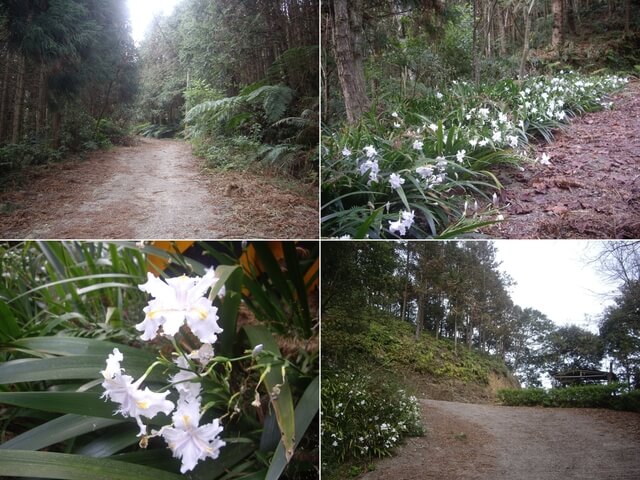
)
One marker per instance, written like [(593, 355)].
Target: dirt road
[(153, 190), (468, 441)]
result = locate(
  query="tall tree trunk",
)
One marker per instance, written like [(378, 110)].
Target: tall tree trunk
[(19, 99), (55, 134), (455, 335), (571, 17), (527, 33), (406, 284), (474, 47), (106, 103), (41, 105), (557, 32), (347, 45), (4, 100), (420, 318), (502, 28)]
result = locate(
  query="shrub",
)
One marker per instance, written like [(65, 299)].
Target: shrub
[(629, 401), (17, 156), (519, 397), (583, 396), (363, 417)]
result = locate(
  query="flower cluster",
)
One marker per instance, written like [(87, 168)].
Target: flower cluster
[(434, 159), (177, 302), (363, 417)]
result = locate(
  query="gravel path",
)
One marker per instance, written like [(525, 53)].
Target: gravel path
[(153, 190), (468, 441)]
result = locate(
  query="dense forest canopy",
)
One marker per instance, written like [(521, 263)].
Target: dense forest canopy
[(456, 290), (246, 73), (68, 71)]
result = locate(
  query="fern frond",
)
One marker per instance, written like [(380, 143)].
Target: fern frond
[(297, 122), (215, 110), (275, 100)]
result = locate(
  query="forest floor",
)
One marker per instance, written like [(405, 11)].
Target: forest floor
[(155, 189), (469, 441), (591, 189)]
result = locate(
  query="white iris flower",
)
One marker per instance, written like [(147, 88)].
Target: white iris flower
[(187, 440), (395, 180), (133, 402), (186, 382), (177, 300), (370, 151)]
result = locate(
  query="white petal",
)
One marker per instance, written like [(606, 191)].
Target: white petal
[(202, 285), (148, 404), (151, 323), (156, 287), (203, 321), (113, 364)]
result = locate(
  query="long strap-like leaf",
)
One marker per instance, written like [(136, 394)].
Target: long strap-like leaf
[(21, 463)]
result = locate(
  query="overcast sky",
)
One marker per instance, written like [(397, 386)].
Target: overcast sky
[(556, 278), (142, 12)]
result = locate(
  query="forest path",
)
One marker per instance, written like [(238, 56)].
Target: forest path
[(592, 187), (469, 441), (153, 190)]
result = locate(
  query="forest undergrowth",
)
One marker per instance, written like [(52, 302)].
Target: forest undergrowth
[(425, 107), (427, 168)]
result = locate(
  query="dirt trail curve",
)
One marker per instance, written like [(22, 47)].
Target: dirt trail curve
[(591, 189), (468, 441), (153, 190)]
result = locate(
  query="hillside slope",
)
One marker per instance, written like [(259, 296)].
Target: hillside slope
[(432, 368)]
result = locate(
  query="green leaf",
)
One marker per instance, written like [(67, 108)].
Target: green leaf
[(75, 280), (110, 442), (403, 197), (20, 463), (306, 410), (363, 229), (223, 272), (8, 327), (79, 346), (101, 286), (229, 311), (72, 367), (273, 270), (58, 430), (283, 404), (83, 403)]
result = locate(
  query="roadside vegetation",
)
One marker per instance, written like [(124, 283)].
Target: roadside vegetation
[(424, 104), (614, 396)]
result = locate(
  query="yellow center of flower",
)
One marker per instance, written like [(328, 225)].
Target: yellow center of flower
[(142, 404), (202, 313)]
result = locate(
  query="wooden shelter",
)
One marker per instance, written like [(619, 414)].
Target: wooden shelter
[(584, 375)]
